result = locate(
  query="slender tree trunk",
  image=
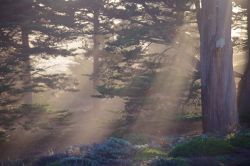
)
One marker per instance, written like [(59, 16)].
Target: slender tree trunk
[(218, 85), (96, 51), (244, 85), (27, 78)]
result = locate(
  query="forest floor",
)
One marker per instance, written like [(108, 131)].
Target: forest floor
[(139, 150)]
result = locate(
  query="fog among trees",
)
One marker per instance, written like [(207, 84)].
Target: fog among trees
[(124, 82)]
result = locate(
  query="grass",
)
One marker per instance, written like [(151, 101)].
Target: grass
[(149, 153), (202, 146), (200, 150), (241, 140), (169, 162)]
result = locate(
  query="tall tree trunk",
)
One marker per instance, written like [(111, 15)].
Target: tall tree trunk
[(27, 78), (218, 85), (244, 85), (96, 45)]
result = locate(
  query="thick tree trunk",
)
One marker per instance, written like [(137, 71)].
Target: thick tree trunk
[(218, 84), (27, 78), (244, 85)]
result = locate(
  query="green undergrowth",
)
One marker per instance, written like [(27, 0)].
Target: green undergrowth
[(150, 153), (200, 150), (169, 162), (202, 146), (241, 139)]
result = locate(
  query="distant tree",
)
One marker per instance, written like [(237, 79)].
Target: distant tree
[(92, 23), (244, 85), (36, 28)]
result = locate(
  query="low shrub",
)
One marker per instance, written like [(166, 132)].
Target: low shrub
[(241, 139), (168, 162), (112, 152), (149, 153), (201, 146)]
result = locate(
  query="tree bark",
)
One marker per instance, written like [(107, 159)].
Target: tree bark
[(244, 85), (218, 90)]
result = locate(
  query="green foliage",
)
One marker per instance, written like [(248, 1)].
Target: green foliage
[(201, 146), (6, 69), (4, 88), (241, 139), (32, 108), (149, 153), (8, 117), (129, 37), (132, 53), (7, 120), (137, 87), (169, 162), (3, 136), (112, 91), (143, 81)]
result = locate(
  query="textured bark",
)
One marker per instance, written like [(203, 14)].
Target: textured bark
[(244, 85), (218, 84)]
